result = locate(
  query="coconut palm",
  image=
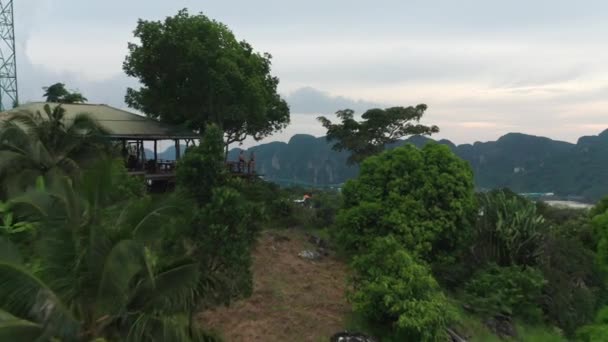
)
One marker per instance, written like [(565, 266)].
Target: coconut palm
[(102, 273), (35, 144)]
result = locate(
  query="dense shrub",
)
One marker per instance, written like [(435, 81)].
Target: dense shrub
[(326, 205), (600, 225), (511, 291), (598, 331), (124, 186), (202, 167), (424, 197), (222, 234), (571, 294), (397, 295)]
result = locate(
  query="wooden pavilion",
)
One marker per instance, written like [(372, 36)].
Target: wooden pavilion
[(131, 131)]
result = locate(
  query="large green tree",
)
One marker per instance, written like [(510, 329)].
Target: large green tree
[(59, 94), (378, 128), (193, 71)]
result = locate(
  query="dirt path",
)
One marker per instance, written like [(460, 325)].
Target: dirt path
[(294, 299)]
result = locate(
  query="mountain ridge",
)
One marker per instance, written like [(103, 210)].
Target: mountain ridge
[(521, 162)]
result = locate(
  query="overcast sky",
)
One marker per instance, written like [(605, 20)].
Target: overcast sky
[(484, 67)]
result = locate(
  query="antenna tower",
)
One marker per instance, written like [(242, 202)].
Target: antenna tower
[(9, 96)]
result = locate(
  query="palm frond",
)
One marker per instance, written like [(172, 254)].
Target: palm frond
[(24, 295), (159, 327), (124, 261), (172, 290), (9, 252), (16, 329), (149, 227)]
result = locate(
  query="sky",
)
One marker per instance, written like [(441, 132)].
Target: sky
[(483, 67)]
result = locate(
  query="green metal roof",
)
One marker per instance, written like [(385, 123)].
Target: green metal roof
[(120, 123)]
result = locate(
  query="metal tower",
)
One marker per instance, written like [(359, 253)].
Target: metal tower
[(9, 96)]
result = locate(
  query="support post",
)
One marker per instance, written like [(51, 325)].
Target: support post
[(178, 154), (143, 153), (155, 157)]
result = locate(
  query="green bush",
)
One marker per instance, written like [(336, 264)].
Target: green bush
[(397, 295), (326, 205), (125, 186), (573, 288), (511, 291), (202, 167), (424, 197), (598, 331)]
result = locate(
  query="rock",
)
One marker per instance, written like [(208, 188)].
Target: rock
[(280, 238), (310, 255), (502, 326), (324, 252), (317, 241), (351, 337)]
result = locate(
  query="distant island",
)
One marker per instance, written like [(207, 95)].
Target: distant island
[(523, 163)]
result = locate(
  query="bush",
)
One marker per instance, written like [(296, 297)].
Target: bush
[(224, 232), (202, 167), (398, 295), (511, 291), (424, 197), (326, 204), (573, 287), (125, 186), (597, 331)]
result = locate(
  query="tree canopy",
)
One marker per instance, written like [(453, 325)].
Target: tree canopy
[(195, 72), (378, 128), (59, 94)]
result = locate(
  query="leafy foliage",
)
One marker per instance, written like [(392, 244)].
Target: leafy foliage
[(378, 128), (398, 294), (510, 291), (218, 224), (194, 72), (202, 167), (600, 224), (423, 197), (598, 331)]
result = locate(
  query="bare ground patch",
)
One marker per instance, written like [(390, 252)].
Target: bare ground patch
[(294, 299)]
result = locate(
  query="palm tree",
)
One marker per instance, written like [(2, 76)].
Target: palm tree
[(99, 278), (33, 144), (57, 93)]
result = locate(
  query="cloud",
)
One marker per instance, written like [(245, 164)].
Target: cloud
[(483, 67), (308, 100)]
